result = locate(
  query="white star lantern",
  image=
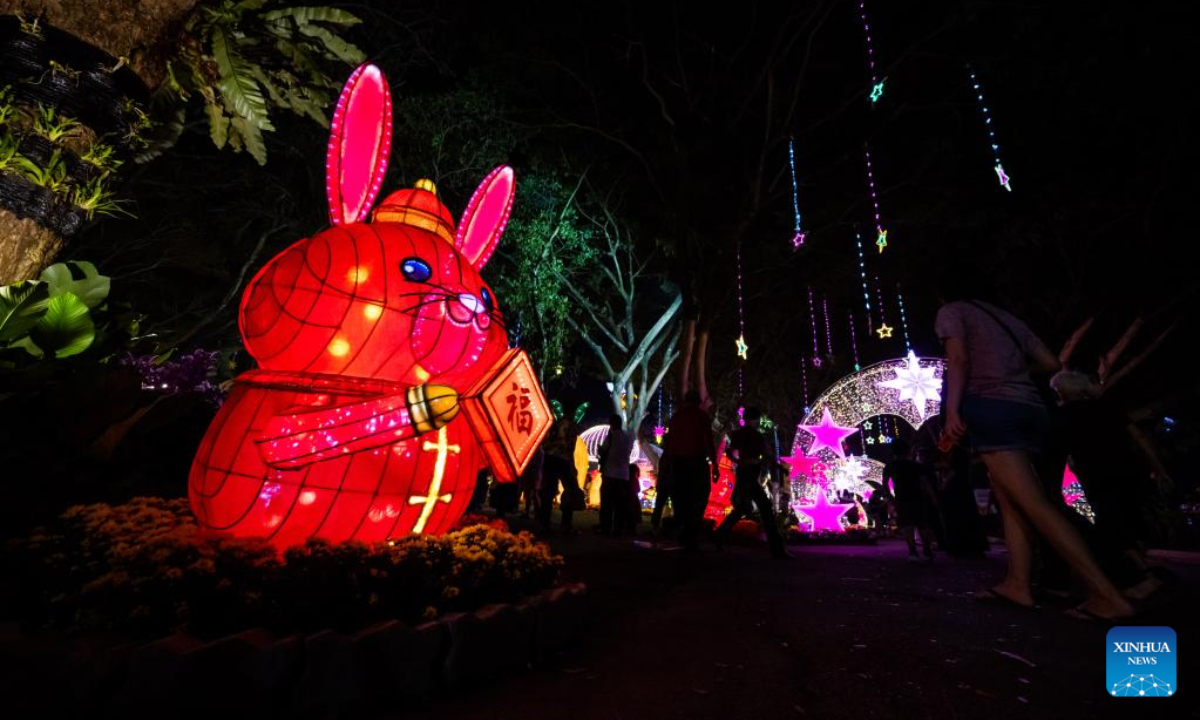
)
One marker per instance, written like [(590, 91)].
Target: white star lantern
[(916, 384), (848, 474)]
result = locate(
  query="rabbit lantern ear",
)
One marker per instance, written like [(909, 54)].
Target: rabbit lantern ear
[(483, 221), (360, 138)]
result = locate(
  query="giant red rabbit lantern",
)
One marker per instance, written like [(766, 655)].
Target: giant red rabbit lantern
[(370, 335)]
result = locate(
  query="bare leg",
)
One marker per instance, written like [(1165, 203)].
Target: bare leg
[(927, 541), (1018, 538), (1013, 475)]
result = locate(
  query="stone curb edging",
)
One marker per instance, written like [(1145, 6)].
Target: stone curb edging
[(322, 672)]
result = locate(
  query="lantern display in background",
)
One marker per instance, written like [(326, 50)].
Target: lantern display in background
[(905, 388), (592, 439), (371, 337), (720, 497)]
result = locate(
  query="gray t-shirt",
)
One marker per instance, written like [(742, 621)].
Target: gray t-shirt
[(620, 448), (997, 367)]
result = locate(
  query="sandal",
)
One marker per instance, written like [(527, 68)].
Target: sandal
[(992, 597)]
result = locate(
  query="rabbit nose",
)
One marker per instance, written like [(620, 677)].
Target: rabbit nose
[(470, 302), (463, 307)]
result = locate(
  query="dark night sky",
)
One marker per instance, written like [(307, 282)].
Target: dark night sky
[(1088, 111), (1075, 236)]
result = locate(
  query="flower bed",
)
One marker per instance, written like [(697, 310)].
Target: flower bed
[(852, 536), (145, 569)]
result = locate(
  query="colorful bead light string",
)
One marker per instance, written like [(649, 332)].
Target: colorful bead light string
[(881, 235), (799, 236), (987, 124), (876, 83)]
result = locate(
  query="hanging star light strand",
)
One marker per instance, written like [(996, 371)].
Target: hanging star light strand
[(828, 332), (804, 382), (903, 321), (876, 82), (862, 271), (740, 343), (881, 235), (884, 330), (987, 124), (854, 343), (799, 236), (812, 316)]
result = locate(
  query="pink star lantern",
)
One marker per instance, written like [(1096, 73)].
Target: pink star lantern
[(824, 515), (800, 465), (828, 435)]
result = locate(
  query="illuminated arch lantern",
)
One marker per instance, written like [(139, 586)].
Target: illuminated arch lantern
[(907, 388), (385, 381), (592, 439)]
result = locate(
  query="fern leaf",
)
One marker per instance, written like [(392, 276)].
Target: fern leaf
[(298, 55), (313, 103), (237, 82), (272, 92), (252, 137), (305, 15), (218, 124), (344, 51), (245, 5)]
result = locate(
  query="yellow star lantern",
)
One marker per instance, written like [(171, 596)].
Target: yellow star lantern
[(885, 331), (742, 347)]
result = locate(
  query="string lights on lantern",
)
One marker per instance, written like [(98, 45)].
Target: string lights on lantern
[(372, 338), (1001, 175), (903, 388), (799, 236), (881, 235), (876, 82)]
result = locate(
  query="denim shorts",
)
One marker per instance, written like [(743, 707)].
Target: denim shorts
[(994, 425)]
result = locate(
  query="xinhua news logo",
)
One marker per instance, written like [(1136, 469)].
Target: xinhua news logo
[(1141, 661)]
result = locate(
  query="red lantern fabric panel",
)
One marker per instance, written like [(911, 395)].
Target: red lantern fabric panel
[(369, 496)]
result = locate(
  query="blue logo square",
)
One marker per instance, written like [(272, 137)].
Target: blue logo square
[(1141, 661)]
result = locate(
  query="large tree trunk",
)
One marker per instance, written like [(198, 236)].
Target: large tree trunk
[(62, 69)]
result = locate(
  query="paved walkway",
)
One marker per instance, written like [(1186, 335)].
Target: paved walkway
[(839, 631)]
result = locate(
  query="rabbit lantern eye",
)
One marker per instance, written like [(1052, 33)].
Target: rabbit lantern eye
[(416, 270), (488, 303)]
